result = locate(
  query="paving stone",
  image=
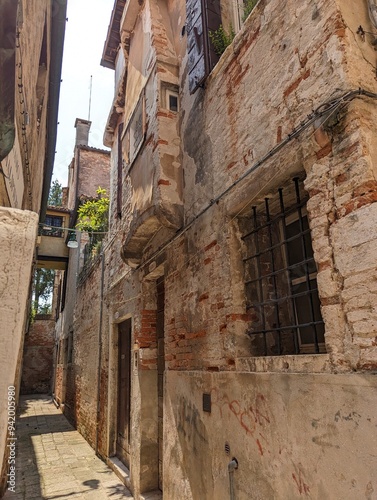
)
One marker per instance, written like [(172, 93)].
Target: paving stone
[(53, 461)]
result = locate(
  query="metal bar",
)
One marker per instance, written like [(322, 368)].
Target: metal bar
[(285, 242), (288, 268), (280, 244), (289, 327), (299, 211), (275, 290), (260, 282), (283, 299), (274, 219)]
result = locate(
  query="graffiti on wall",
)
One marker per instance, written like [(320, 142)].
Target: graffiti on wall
[(190, 424), (254, 418)]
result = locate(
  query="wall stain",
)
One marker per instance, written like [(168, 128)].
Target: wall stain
[(353, 417)]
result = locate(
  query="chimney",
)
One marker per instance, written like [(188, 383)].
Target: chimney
[(64, 197), (82, 131)]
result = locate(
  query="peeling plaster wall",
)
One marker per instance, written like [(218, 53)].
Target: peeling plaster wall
[(264, 85)]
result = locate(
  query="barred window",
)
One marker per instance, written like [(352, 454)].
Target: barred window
[(52, 226), (280, 277)]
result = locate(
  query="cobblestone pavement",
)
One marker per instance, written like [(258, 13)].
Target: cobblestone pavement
[(53, 460)]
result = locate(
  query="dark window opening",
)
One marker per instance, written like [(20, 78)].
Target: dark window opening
[(52, 226), (280, 277), (173, 102)]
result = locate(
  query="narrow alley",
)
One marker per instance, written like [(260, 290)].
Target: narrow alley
[(53, 461)]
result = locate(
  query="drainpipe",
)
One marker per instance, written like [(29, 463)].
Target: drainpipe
[(100, 348), (232, 466)]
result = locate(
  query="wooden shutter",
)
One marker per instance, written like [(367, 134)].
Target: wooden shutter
[(120, 172), (202, 16)]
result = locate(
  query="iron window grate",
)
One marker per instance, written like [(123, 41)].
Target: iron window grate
[(280, 276)]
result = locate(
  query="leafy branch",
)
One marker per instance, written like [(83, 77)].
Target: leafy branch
[(221, 39), (248, 6), (93, 215)]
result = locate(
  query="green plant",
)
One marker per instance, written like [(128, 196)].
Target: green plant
[(43, 288), (248, 6), (93, 215), (221, 39), (55, 195)]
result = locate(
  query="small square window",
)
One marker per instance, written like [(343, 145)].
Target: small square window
[(173, 102), (170, 96)]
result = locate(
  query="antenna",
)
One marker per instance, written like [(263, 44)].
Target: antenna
[(90, 96)]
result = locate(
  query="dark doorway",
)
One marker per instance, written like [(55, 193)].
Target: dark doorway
[(124, 391), (160, 369)]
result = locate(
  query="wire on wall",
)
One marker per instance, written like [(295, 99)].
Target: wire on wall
[(24, 113)]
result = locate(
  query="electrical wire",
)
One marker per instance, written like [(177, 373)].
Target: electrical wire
[(24, 113), (322, 114), (324, 110)]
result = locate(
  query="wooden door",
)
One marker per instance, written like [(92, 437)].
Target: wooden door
[(124, 391)]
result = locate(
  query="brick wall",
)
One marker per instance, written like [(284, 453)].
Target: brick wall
[(82, 373), (38, 357)]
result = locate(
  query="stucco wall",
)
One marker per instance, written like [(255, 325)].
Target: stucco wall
[(294, 436), (18, 231)]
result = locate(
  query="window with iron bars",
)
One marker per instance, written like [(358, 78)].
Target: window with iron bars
[(281, 276)]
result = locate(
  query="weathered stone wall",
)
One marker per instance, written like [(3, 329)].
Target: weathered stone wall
[(38, 357), (75, 388), (81, 406), (291, 421)]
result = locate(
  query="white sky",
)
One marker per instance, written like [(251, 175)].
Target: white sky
[(86, 31)]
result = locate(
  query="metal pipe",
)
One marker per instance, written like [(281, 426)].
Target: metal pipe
[(232, 466), (100, 348)]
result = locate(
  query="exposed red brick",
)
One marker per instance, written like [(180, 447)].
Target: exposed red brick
[(231, 165), (340, 179), (165, 114), (240, 75), (195, 335), (365, 188), (238, 317), (327, 264), (296, 83), (279, 134), (202, 297), (356, 203), (212, 244), (330, 301), (163, 182), (325, 151)]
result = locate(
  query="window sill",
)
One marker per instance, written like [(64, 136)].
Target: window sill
[(301, 363)]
